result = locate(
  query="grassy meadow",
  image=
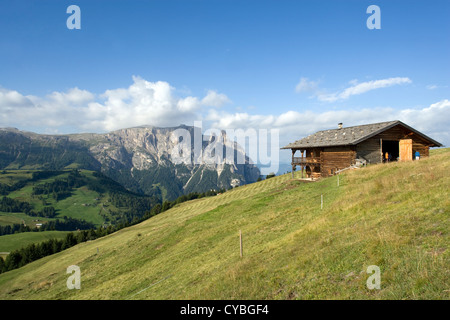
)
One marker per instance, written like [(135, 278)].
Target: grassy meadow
[(82, 204), (394, 216), (16, 241)]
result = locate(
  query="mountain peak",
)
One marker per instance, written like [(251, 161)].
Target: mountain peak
[(140, 158)]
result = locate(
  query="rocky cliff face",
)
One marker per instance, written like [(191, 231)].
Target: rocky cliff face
[(144, 159)]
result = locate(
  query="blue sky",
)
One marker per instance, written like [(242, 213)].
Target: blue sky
[(298, 66)]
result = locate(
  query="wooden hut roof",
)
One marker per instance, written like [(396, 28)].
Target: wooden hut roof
[(351, 135)]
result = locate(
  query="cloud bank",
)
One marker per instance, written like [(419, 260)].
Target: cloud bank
[(433, 120), (142, 103), (156, 104)]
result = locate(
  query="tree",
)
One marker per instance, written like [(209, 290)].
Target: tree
[(81, 236), (46, 247), (155, 210), (91, 235), (2, 265), (69, 241), (13, 260), (56, 245), (166, 206)]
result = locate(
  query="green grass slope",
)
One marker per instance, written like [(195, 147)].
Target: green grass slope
[(81, 204), (16, 241), (95, 199), (395, 216)]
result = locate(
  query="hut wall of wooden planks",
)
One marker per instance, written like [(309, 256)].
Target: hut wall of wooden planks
[(333, 159)]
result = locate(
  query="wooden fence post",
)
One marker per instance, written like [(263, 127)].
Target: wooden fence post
[(240, 243)]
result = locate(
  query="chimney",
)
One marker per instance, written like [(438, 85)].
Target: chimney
[(340, 125)]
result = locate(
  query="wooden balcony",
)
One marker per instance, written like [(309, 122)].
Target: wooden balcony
[(306, 161)]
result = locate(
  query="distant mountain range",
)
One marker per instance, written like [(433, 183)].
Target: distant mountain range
[(139, 158)]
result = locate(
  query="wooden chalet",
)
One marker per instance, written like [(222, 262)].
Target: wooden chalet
[(328, 152)]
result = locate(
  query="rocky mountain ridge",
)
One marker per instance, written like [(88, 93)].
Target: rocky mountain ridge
[(145, 159)]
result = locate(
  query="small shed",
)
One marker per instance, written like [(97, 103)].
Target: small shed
[(328, 152)]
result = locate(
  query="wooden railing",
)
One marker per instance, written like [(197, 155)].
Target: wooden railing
[(305, 160)]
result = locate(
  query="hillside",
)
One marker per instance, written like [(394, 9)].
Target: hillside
[(64, 200), (395, 216), (79, 194)]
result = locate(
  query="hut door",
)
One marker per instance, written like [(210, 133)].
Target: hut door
[(405, 149)]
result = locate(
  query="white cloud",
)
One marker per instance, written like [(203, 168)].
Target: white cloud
[(363, 87), (434, 120), (74, 96), (214, 99), (13, 99), (306, 85), (188, 104), (434, 87), (143, 102), (356, 88)]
